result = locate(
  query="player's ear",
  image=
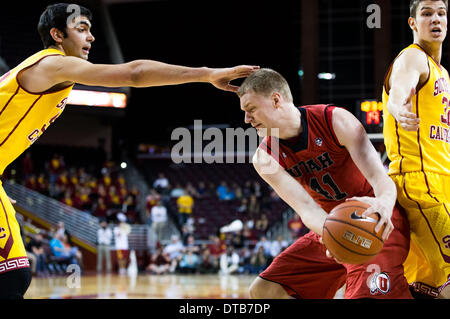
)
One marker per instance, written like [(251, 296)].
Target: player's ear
[(412, 23), (276, 99), (57, 35)]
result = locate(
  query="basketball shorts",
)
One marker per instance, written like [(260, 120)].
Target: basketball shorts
[(12, 251), (426, 200), (304, 270)]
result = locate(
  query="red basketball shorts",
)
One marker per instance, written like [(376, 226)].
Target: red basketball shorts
[(304, 270)]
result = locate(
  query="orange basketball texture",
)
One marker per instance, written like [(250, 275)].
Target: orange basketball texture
[(349, 237)]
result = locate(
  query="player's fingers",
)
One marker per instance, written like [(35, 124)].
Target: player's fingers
[(231, 88), (387, 231), (409, 127)]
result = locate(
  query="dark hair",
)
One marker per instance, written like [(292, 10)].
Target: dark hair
[(265, 82), (55, 16), (413, 4)]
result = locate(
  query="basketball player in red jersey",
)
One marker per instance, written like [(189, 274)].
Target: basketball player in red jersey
[(315, 157), (34, 94)]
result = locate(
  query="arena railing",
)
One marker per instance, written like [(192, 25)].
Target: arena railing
[(79, 224)]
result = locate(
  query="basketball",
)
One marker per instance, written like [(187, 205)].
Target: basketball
[(350, 238)]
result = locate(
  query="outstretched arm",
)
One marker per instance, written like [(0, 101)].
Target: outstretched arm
[(139, 73), (408, 71)]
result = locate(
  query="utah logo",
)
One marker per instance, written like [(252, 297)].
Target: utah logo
[(380, 283)]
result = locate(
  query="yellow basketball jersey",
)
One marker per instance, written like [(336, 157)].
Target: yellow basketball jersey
[(428, 148), (24, 115)]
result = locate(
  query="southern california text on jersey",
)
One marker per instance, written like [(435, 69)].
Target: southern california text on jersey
[(25, 115)]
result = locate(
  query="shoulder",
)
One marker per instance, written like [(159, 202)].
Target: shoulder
[(412, 58)]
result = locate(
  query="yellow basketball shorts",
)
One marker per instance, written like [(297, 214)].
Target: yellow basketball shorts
[(12, 251), (425, 196)]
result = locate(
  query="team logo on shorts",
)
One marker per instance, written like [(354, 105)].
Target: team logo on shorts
[(380, 283), (318, 141)]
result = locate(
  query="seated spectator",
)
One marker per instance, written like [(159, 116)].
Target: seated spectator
[(267, 246), (188, 262), (253, 205), (59, 251), (27, 165), (262, 223), (129, 208), (161, 183), (229, 262), (177, 191), (174, 249), (42, 185), (278, 246), (247, 189), (190, 244), (190, 189), (217, 247), (222, 190), (159, 263), (258, 262), (207, 263), (100, 208), (31, 182), (243, 207), (238, 240), (67, 199), (237, 190), (71, 250), (202, 190), (113, 199), (36, 247)]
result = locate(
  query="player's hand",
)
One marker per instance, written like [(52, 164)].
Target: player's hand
[(329, 255), (221, 78), (13, 201), (404, 116), (380, 207)]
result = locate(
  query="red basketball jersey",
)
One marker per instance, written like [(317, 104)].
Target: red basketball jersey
[(317, 160)]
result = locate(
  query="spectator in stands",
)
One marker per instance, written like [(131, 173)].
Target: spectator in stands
[(202, 190), (296, 227), (185, 204), (129, 207), (67, 199), (278, 246), (191, 245), (104, 241), (217, 248), (257, 191), (190, 189), (121, 232), (258, 262), (159, 262), (158, 217), (150, 201), (42, 185), (36, 247), (247, 232), (262, 224), (59, 251), (113, 199), (222, 190), (174, 249), (237, 190), (243, 207), (254, 207), (211, 190), (238, 240), (71, 250), (189, 262), (100, 208), (229, 262), (177, 191), (267, 246), (161, 183), (31, 182), (56, 165), (207, 264), (247, 189)]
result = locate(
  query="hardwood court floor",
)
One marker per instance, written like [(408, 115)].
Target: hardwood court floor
[(141, 287)]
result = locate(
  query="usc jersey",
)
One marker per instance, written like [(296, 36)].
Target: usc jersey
[(428, 148), (318, 161), (25, 115)]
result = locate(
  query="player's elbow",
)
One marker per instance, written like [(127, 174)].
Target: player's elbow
[(136, 73)]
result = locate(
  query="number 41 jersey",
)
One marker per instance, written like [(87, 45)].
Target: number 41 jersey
[(317, 160)]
